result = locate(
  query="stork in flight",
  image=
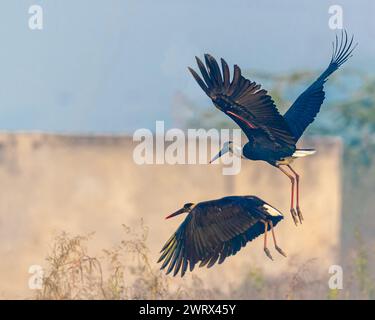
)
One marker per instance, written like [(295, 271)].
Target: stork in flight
[(272, 136), (216, 229)]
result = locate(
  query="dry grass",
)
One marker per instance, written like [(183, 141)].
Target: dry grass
[(126, 272), (121, 272)]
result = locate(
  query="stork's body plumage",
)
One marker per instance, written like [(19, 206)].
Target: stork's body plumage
[(214, 230), (271, 136)]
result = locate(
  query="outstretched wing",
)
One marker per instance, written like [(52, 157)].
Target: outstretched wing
[(213, 231), (306, 107), (242, 100)]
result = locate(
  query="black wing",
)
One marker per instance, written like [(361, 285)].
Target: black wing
[(243, 100), (213, 231), (306, 107)]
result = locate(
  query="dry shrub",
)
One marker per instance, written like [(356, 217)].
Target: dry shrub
[(72, 273), (121, 272), (126, 272)]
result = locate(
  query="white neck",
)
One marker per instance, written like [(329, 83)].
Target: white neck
[(237, 151)]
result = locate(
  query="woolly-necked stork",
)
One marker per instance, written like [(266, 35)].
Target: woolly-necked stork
[(214, 230), (272, 136)]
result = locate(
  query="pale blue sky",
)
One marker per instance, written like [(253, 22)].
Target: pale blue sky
[(112, 66)]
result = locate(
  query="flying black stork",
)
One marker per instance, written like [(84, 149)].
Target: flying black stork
[(272, 137), (214, 230)]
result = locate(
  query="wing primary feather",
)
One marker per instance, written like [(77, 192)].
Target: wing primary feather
[(179, 261), (163, 255), (184, 266), (343, 49), (213, 259), (335, 47), (213, 69), (346, 54), (192, 265), (199, 81), (204, 73), (169, 256), (236, 78), (222, 257), (226, 73), (304, 110), (168, 242), (174, 259), (341, 41), (204, 261)]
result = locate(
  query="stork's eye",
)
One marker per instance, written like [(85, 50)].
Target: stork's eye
[(188, 205)]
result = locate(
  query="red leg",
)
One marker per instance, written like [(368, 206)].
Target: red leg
[(274, 241), (292, 211), (265, 240), (297, 198)]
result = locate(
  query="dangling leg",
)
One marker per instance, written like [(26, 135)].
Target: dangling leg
[(265, 240), (300, 216), (274, 241), (292, 211)]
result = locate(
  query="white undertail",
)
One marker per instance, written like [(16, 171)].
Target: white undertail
[(272, 211), (300, 153)]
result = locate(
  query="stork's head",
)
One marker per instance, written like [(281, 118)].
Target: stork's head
[(230, 147), (185, 209)]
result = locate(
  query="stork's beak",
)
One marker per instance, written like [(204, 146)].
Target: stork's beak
[(176, 213), (223, 151)]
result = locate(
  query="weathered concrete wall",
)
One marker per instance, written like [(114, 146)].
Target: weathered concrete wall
[(82, 184)]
